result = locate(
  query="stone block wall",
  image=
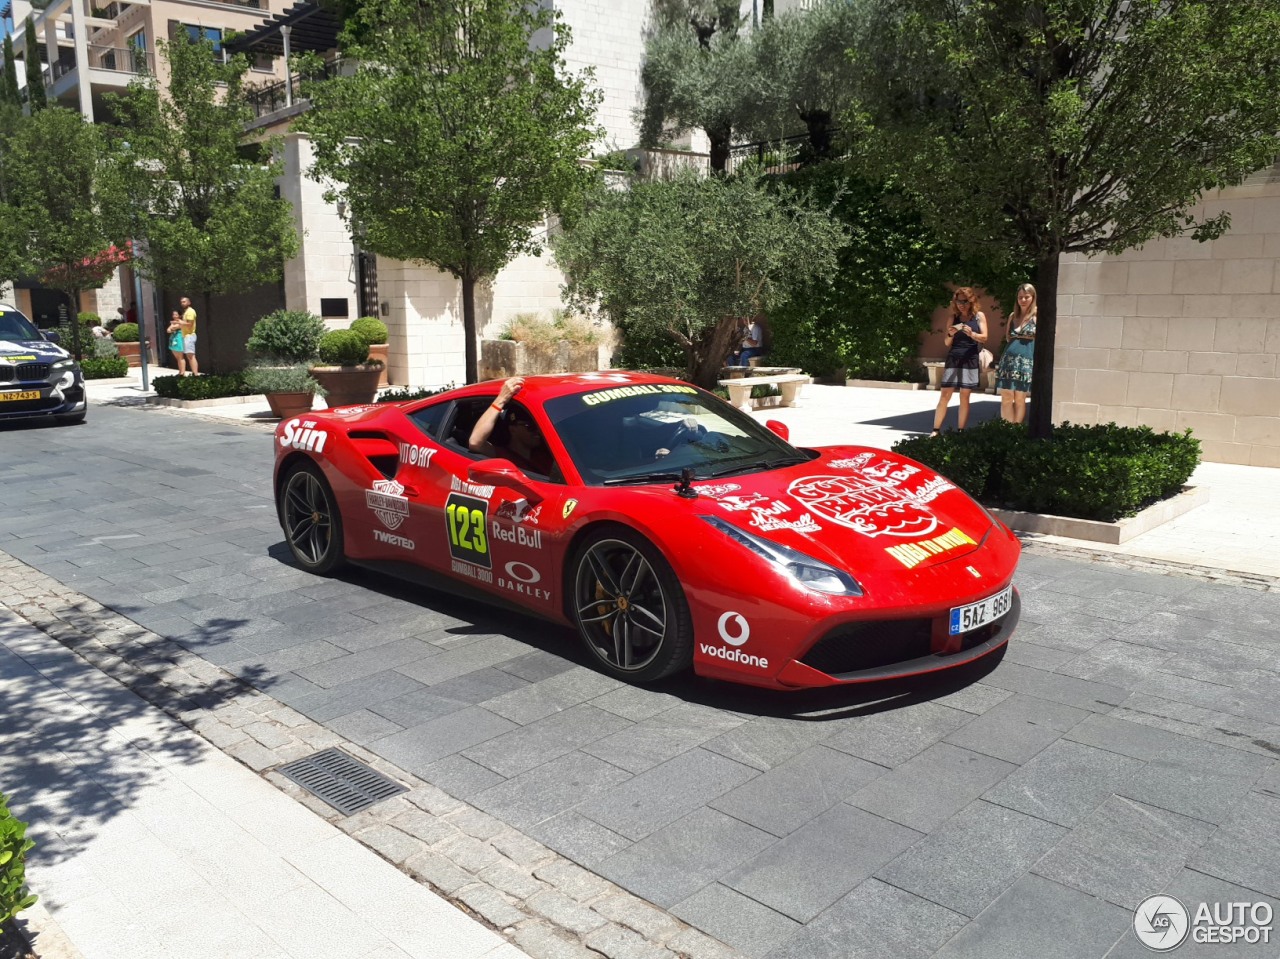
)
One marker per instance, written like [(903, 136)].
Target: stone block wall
[(1181, 334)]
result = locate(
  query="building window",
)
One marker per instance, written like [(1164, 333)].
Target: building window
[(212, 34), (137, 41)]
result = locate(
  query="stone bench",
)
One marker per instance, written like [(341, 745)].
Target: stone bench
[(787, 383), (736, 372)]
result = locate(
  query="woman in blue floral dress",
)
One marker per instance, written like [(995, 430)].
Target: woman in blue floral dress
[(1013, 373)]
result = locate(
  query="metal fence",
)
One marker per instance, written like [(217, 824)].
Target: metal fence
[(273, 97)]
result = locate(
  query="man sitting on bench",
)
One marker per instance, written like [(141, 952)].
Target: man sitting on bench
[(752, 342)]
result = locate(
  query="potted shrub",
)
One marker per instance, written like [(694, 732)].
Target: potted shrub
[(290, 390), (345, 371), (126, 337), (286, 337), (374, 332)]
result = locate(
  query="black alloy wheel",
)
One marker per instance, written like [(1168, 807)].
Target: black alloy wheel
[(311, 521), (629, 607)]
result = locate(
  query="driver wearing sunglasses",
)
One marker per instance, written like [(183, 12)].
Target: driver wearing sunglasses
[(511, 434)]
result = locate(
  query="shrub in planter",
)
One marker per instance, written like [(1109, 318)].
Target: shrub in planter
[(206, 387), (281, 379), (1102, 472), (405, 393), (343, 348), (102, 347), (374, 332), (105, 368), (289, 336), (371, 329), (14, 845), (125, 333), (89, 320)]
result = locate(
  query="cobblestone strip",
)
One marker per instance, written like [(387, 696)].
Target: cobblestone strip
[(548, 905), (1146, 564)]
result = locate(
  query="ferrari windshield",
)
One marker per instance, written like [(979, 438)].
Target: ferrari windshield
[(651, 432), (16, 328)]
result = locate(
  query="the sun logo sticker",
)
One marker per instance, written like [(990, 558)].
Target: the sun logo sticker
[(569, 507)]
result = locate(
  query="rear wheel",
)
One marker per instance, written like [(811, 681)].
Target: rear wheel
[(310, 519), (629, 607)]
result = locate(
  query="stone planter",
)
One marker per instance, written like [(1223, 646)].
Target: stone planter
[(348, 385), (285, 405), (131, 352), (502, 358), (378, 351)]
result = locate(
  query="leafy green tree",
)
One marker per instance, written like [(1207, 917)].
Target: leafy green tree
[(62, 199), (35, 72), (1043, 127), (805, 79), (697, 74), (9, 92), (472, 134), (682, 259), (205, 206)]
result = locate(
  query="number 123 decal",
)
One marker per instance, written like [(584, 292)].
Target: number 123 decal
[(467, 519)]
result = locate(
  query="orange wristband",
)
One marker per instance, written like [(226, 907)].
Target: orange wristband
[(495, 406)]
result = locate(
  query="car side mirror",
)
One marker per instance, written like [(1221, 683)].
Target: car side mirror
[(52, 336), (780, 428), (504, 473)]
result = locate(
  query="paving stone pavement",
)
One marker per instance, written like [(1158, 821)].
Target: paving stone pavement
[(1127, 743)]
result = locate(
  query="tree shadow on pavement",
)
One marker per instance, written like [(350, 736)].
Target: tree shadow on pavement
[(982, 409)]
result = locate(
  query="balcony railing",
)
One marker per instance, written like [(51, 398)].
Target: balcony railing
[(120, 59), (276, 96)]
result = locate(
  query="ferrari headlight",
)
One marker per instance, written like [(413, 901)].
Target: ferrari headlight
[(805, 570)]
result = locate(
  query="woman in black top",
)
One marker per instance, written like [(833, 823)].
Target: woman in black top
[(966, 335)]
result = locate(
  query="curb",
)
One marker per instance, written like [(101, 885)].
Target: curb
[(1096, 531)]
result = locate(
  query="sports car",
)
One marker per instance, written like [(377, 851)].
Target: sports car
[(37, 376), (669, 528)]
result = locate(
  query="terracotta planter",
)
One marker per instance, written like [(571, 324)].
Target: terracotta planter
[(378, 351), (285, 405), (348, 385), (131, 352)]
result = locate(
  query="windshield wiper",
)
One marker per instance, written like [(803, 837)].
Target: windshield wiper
[(642, 478), (760, 465)]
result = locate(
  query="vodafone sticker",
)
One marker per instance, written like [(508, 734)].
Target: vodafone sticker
[(734, 628)]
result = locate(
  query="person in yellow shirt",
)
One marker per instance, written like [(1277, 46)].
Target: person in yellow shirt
[(189, 334)]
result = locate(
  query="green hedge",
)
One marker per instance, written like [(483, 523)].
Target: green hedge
[(14, 845), (868, 321), (105, 368), (1103, 472), (125, 333), (207, 387), (343, 348)]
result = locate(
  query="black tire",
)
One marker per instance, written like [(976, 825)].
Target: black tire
[(310, 519), (73, 419), (629, 608)]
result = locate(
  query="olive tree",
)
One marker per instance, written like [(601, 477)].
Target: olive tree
[(684, 258)]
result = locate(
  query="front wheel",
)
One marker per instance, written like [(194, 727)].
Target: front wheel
[(311, 521), (629, 607)]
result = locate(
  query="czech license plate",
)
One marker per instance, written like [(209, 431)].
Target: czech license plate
[(965, 618), (24, 395)]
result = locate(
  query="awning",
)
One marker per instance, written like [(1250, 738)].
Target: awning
[(311, 27)]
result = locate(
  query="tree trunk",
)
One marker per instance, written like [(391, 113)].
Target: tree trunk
[(1040, 421), (469, 326), (202, 333), (721, 138), (710, 352), (77, 345)]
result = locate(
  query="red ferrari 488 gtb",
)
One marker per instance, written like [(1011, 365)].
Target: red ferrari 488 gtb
[(669, 528)]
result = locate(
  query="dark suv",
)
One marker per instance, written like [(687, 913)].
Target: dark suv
[(37, 376)]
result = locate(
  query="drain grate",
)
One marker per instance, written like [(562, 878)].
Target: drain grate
[(345, 784)]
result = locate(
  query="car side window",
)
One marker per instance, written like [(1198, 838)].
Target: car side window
[(429, 418)]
